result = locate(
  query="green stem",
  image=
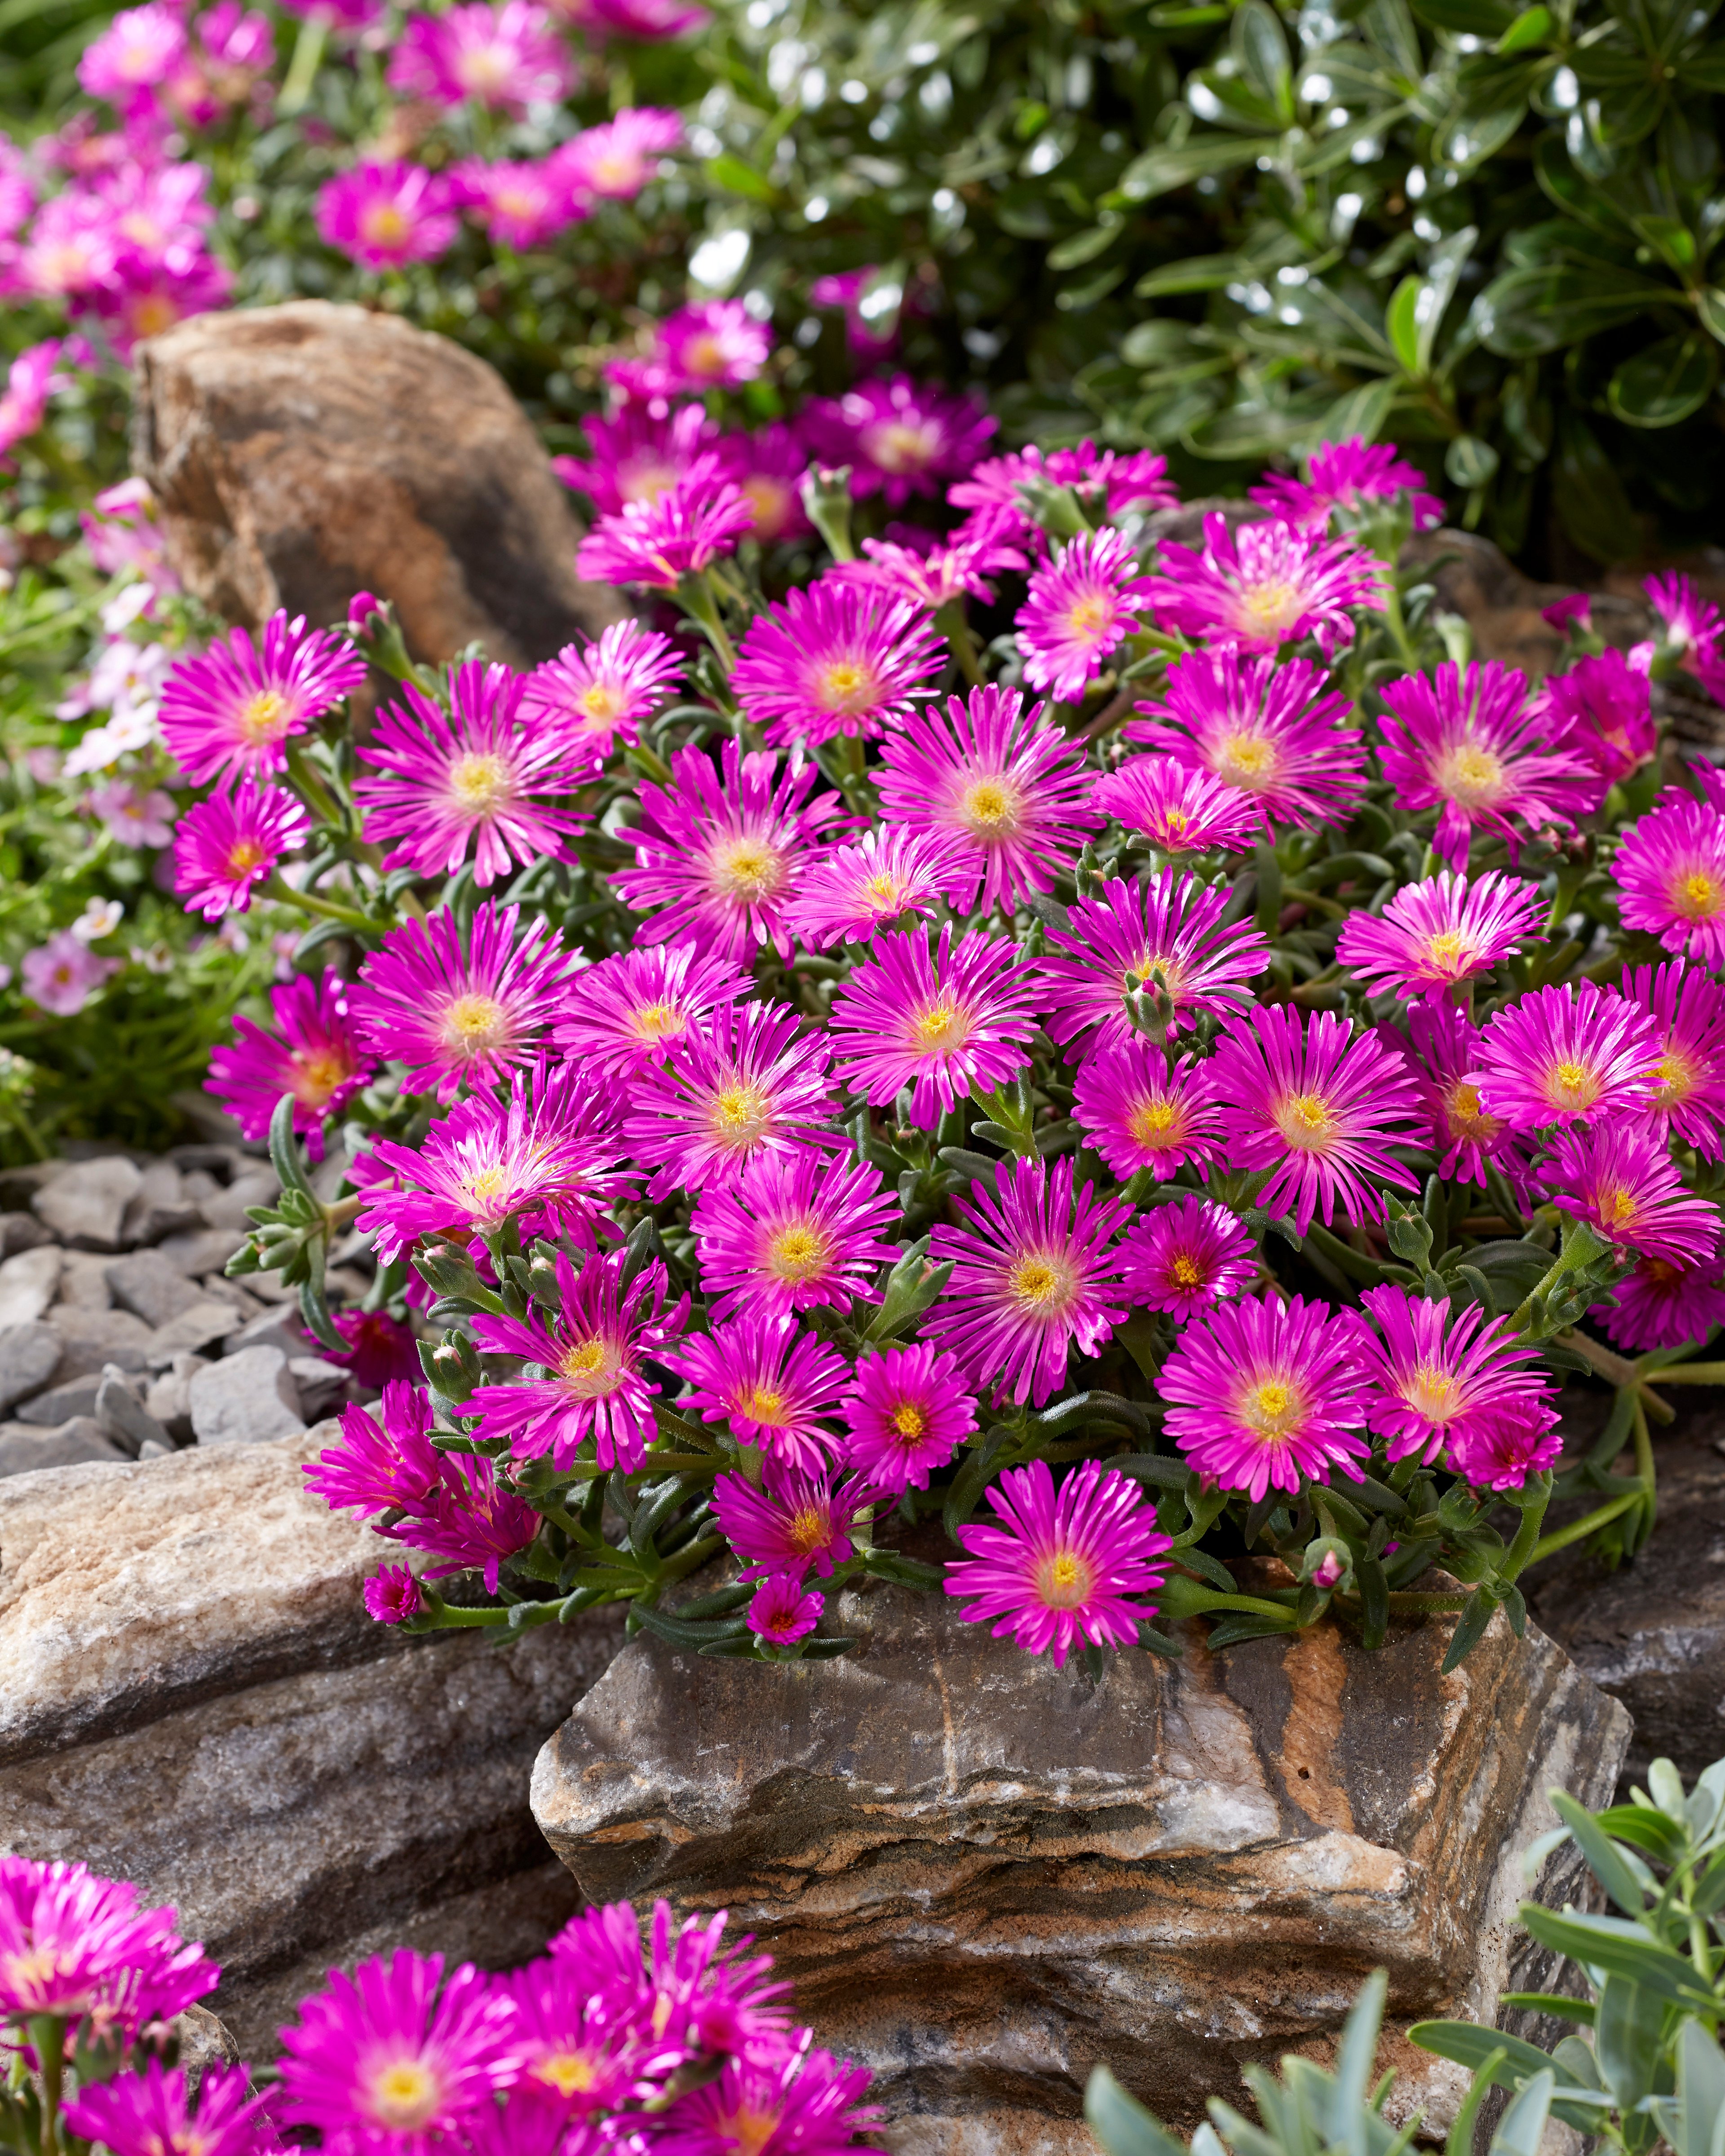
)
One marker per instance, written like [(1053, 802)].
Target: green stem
[(1689, 1373), (696, 596), (302, 68), (1581, 1246), (1578, 1530), (305, 777), (1644, 1468), (48, 2036), (285, 895), (950, 623), (1527, 1541)]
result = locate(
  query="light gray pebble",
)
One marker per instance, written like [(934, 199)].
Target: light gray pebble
[(202, 1325), (205, 1250), (74, 1444), (169, 1399), (72, 1396), (227, 1209), (151, 1287), (86, 1206), (83, 1284), (122, 1415), (245, 1399), (26, 1285), (93, 1338), (29, 1355), (21, 1231)]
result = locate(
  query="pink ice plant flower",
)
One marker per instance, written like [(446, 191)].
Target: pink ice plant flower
[(1164, 934), (1261, 586), (24, 402), (1441, 1051), (1264, 1391), (631, 1011), (550, 1151), (682, 531), (1178, 807), (1035, 1271), (770, 1383), (721, 853), (784, 2101), (906, 1413), (769, 466), (638, 452), (782, 1611), (138, 50), (232, 711), (594, 695), (1501, 1447), (387, 213), (592, 1353), (1142, 1110), (135, 815), (1137, 480), (1006, 785), (616, 159), (959, 569), (72, 1944), (750, 1082), (585, 2050), (148, 2112), (1619, 1178), (1687, 1009), (1062, 1569), (391, 1595), (1436, 1370), (835, 660), (1319, 1107), (61, 975), (796, 1518), (471, 1521), (1661, 1305), (226, 845), (317, 1056), (1347, 476), (1670, 871), (377, 1465), (1081, 607), (1602, 710), (474, 777), (718, 344), (851, 892), (461, 1007), (1568, 1054), (1433, 936), (521, 204), (944, 1020), (899, 438), (1694, 629), (1184, 1257), (506, 57), (393, 2056), (1273, 732), (794, 1232), (1467, 742)]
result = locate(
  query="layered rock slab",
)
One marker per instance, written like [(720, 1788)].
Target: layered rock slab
[(986, 1875), (192, 1696)]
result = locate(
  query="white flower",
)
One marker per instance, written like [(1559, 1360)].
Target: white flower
[(100, 917)]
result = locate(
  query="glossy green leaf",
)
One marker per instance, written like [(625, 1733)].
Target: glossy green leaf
[(1477, 18), (1469, 462), (1085, 246), (1605, 1860), (1260, 51), (1120, 2124), (1523, 2126), (1526, 311), (1202, 273), (1666, 382), (735, 177), (1159, 171), (1709, 306), (1617, 1948), (1626, 2039), (1401, 324), (1531, 28)]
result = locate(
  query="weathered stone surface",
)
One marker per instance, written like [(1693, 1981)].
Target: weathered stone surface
[(246, 1399), (86, 1206), (27, 1357), (305, 452), (279, 1326), (84, 1283), (1177, 1869), (26, 1285), (21, 1231), (192, 1697), (259, 1185), (77, 1396), (204, 1321), (94, 1338), (122, 1415), (81, 1442), (204, 1250), (151, 1287), (169, 1399), (161, 1207)]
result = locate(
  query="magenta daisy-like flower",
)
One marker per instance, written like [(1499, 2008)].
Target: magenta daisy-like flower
[(616, 159), (225, 845), (1347, 475), (794, 1230), (550, 1152), (631, 1011), (1272, 731), (796, 1518), (507, 57), (1660, 1305), (1141, 1109), (470, 1522), (387, 213), (638, 452), (148, 2112), (1165, 931), (393, 2057), (1441, 1051), (1112, 480), (317, 1057), (1265, 585), (1671, 877), (1620, 1178), (720, 853), (899, 438), (770, 465), (232, 711), (590, 695), (852, 892), (472, 777), (1501, 1447), (1437, 933), (1468, 743), (778, 2101), (1687, 1009), (907, 1414), (591, 1354), (459, 1007), (1035, 1273), (1081, 606), (520, 203), (770, 1383), (1261, 1391), (750, 1083), (958, 570), (682, 531), (1316, 1106), (1437, 1370), (835, 659), (1184, 1257), (945, 1020), (1574, 1053), (1007, 787), (1602, 710), (1180, 808), (782, 1610), (392, 1595), (584, 2051), (1694, 628), (1063, 1569), (73, 1943), (385, 1466), (718, 344)]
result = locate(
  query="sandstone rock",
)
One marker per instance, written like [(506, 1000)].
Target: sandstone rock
[(79, 1442), (21, 1231), (122, 1415), (203, 1321), (94, 1338), (26, 1285), (27, 1357), (1476, 579), (86, 1206), (1177, 1869), (246, 1399), (305, 452), (192, 1697), (151, 1287), (76, 1396), (205, 1250), (82, 1282)]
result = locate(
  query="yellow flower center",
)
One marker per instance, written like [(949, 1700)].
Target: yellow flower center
[(798, 1253), (761, 1404), (1305, 1121), (1697, 896), (1449, 949), (591, 1367), (481, 1185), (317, 1077), (748, 2132), (475, 1024), (704, 356), (739, 1114), (1677, 1075), (898, 447), (989, 808), (1064, 1580), (1088, 619), (1271, 1408), (847, 687), (1571, 1086), (152, 314), (382, 224), (1154, 1122), (484, 68), (600, 704), (404, 2097), (1245, 760), (806, 1531), (771, 502), (1186, 1272), (570, 2073), (941, 1025), (884, 892), (1471, 776), (1272, 608), (748, 869), (656, 1022), (1041, 1284), (263, 717), (908, 1421), (479, 782), (244, 856), (1431, 1392)]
